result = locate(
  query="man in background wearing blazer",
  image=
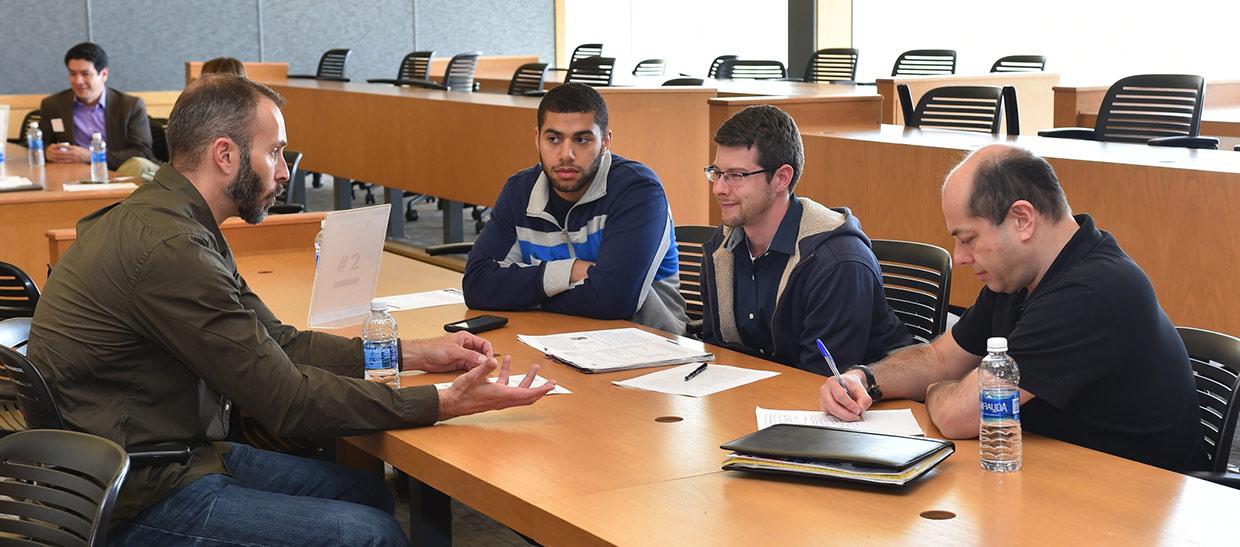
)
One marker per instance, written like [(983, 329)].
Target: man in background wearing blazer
[(88, 106)]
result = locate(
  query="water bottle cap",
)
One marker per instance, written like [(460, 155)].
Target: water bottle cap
[(996, 344), (94, 136), (378, 305), (34, 125)]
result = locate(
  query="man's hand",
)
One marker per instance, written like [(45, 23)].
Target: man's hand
[(845, 406), (581, 270), (456, 351), (67, 153), (472, 392)]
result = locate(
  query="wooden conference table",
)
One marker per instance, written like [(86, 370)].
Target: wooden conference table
[(1174, 211), (607, 465), (26, 215)]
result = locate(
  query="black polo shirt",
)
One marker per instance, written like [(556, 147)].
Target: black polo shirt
[(756, 282), (1107, 368)]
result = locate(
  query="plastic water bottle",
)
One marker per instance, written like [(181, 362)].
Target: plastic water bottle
[(999, 381), (379, 342), (98, 158), (318, 243), (34, 144)]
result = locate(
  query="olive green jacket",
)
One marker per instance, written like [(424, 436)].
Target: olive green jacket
[(147, 333)]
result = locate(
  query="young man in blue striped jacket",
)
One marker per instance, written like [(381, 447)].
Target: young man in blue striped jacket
[(583, 232)]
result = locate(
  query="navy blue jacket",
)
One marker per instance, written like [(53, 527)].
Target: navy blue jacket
[(832, 288), (523, 258)]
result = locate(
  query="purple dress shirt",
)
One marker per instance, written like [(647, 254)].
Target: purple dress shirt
[(88, 120)]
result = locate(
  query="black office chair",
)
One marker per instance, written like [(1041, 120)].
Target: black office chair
[(40, 410), (331, 66), (689, 241), (32, 116), (961, 108), (713, 71), (14, 334), (917, 280), (832, 65), (18, 293), (922, 62), (751, 69), (159, 139), (1215, 358), (415, 66), (457, 76), (592, 71), (528, 79), (683, 82), (1019, 63), (650, 68), (1155, 109), (59, 487), (293, 198)]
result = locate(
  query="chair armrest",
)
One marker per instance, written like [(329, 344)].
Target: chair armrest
[(450, 249), (1079, 133), (866, 83), (535, 93), (427, 84), (17, 141), (301, 76), (286, 209), (1225, 478), (694, 327), (1198, 143), (332, 79), (383, 81), (159, 453)]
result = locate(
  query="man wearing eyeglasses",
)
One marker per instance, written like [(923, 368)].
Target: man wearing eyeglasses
[(583, 232), (782, 271)]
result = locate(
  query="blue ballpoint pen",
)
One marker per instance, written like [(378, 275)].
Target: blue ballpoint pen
[(831, 363)]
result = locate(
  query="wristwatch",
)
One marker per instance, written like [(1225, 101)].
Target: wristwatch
[(871, 386)]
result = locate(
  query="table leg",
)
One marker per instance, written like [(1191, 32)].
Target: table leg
[(453, 221), (396, 218), (430, 515)]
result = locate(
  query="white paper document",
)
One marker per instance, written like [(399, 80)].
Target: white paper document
[(93, 186), (348, 268), (428, 299), (17, 183), (713, 379), (614, 349), (515, 380), (892, 422)]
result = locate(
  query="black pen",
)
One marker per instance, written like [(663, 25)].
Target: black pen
[(695, 372)]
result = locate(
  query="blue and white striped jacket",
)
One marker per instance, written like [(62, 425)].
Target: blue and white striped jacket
[(523, 259)]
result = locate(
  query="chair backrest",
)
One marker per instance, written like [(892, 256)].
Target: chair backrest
[(917, 280), (585, 50), (920, 62), (650, 67), (1139, 108), (684, 81), (14, 333), (528, 77), (415, 66), (689, 241), (159, 139), (592, 71), (961, 108), (60, 485), (1215, 358), (1020, 63), (18, 293), (751, 69), (832, 65), (35, 116), (34, 396), (459, 74), (293, 159), (332, 63), (713, 71)]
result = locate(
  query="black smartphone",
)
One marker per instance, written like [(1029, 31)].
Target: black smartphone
[(475, 325)]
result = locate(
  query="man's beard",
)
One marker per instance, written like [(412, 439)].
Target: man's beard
[(246, 191), (586, 177)]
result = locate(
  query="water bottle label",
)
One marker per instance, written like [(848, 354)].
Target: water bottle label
[(1001, 406), (36, 144), (98, 157), (380, 355)]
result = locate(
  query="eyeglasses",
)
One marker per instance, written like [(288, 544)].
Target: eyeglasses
[(730, 178)]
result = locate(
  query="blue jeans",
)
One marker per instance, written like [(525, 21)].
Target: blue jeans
[(270, 499)]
